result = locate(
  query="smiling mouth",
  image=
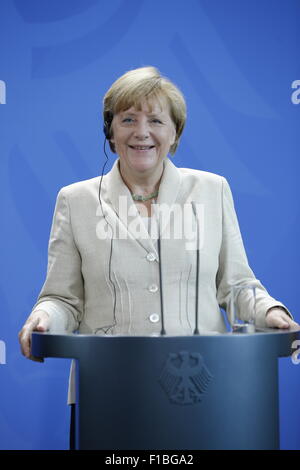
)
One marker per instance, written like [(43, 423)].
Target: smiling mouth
[(141, 147)]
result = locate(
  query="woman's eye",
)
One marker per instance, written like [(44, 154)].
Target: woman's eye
[(129, 120)]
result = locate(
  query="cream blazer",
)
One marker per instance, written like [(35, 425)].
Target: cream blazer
[(103, 265)]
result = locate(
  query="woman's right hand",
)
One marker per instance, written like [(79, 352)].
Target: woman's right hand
[(37, 321)]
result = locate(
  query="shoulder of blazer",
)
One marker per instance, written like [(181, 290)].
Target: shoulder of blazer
[(81, 188), (191, 176)]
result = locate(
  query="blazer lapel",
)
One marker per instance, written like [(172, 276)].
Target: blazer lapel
[(168, 193), (125, 209)]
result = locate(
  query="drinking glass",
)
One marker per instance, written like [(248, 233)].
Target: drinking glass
[(243, 295)]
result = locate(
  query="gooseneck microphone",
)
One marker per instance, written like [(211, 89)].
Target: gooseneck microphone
[(158, 227), (196, 330), (162, 331)]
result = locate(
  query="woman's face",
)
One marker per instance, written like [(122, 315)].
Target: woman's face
[(143, 138)]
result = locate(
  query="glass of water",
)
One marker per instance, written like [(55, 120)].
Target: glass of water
[(243, 297)]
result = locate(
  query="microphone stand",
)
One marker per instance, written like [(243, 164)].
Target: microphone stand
[(163, 331), (196, 330)]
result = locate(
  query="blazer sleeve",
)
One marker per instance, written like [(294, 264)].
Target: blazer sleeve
[(62, 293), (234, 270)]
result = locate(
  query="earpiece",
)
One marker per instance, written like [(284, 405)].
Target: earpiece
[(106, 129), (108, 117)]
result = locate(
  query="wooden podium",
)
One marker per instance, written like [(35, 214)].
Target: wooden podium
[(174, 392)]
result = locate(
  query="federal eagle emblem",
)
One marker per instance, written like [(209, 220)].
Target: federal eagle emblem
[(185, 377)]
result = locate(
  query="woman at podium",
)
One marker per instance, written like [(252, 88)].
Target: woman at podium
[(138, 250)]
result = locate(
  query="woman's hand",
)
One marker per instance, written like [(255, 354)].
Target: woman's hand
[(37, 321), (277, 318)]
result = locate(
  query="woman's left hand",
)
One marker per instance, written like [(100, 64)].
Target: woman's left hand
[(278, 318)]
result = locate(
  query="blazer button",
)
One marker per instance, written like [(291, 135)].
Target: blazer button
[(151, 257), (153, 288), (154, 318)]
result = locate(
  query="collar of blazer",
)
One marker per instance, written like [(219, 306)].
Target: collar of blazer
[(168, 192)]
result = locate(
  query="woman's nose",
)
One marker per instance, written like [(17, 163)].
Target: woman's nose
[(141, 130)]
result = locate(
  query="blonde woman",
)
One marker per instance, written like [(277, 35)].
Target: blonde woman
[(104, 270)]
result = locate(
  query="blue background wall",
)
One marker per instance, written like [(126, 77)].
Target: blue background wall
[(235, 61)]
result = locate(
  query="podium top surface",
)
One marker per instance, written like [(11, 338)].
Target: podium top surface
[(280, 343)]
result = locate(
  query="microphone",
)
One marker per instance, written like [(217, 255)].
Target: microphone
[(196, 330), (156, 211), (162, 331)]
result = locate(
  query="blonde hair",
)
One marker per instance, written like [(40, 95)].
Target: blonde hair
[(137, 85)]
